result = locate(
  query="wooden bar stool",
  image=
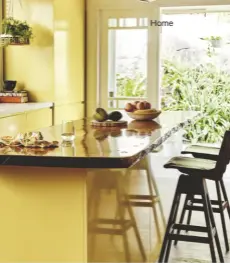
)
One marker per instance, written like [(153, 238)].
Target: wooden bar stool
[(195, 186), (120, 224)]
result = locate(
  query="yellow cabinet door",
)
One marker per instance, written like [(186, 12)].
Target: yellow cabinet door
[(73, 111), (38, 119)]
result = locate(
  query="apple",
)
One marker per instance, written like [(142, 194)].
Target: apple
[(147, 105), (140, 106), (129, 107)]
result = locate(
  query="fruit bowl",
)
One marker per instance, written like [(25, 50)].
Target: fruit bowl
[(144, 116)]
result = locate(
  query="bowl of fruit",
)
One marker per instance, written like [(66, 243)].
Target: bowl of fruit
[(141, 111)]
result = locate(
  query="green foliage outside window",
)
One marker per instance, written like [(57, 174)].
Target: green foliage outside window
[(202, 88), (131, 86)]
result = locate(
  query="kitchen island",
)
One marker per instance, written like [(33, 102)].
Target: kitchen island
[(48, 197)]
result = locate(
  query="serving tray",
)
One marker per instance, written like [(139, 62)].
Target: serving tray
[(109, 123)]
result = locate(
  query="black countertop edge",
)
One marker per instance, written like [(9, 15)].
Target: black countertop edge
[(69, 162)]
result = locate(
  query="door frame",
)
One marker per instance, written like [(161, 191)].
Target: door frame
[(153, 53)]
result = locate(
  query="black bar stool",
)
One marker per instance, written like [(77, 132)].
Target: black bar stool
[(191, 185), (201, 169), (211, 153)]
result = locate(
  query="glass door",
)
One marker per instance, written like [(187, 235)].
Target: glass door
[(129, 58)]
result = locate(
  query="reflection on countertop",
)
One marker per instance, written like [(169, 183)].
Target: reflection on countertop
[(119, 147), (125, 223)]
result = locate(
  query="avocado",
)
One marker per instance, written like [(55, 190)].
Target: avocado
[(99, 117), (102, 112), (115, 116)]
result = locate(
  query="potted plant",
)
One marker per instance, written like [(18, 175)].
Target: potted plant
[(216, 41), (20, 31)]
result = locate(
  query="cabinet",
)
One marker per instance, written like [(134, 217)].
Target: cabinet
[(26, 121), (11, 125), (38, 119), (74, 111)]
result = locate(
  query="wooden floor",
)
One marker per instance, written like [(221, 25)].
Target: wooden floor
[(110, 248)]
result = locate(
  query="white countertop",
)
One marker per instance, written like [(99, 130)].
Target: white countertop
[(7, 109)]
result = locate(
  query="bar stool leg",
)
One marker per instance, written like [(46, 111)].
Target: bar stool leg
[(208, 214), (225, 196), (189, 213), (219, 198), (182, 217), (216, 235), (173, 221), (172, 216)]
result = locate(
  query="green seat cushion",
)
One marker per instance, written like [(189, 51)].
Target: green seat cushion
[(187, 164), (202, 150)]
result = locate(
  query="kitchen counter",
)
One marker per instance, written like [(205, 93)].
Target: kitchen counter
[(101, 147), (8, 109), (53, 202)]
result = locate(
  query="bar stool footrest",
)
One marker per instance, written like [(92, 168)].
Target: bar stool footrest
[(191, 205), (194, 239), (193, 228)]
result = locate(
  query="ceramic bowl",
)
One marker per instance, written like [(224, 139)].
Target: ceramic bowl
[(143, 117)]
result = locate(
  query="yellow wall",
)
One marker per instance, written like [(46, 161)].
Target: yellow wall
[(52, 67), (33, 66)]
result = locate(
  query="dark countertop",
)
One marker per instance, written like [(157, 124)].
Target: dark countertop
[(113, 148)]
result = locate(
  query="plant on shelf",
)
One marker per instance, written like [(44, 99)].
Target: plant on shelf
[(20, 31), (214, 41)]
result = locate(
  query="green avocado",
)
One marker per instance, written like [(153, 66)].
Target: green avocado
[(115, 116), (102, 112), (100, 118)]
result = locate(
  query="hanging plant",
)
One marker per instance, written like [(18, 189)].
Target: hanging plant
[(21, 33), (215, 41)]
